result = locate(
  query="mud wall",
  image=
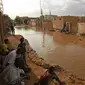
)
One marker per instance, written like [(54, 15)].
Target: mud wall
[(32, 23), (57, 23), (47, 24), (81, 28), (73, 23)]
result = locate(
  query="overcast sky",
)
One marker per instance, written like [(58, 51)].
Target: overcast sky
[(32, 7)]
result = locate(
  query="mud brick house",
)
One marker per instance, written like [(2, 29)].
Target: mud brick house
[(47, 24), (57, 22), (71, 20)]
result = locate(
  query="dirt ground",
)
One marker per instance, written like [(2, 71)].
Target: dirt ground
[(63, 38)]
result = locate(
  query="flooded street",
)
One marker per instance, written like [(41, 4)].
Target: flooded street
[(58, 48)]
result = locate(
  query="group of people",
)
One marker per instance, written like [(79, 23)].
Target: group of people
[(13, 67)]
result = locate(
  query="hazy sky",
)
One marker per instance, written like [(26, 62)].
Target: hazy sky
[(32, 7)]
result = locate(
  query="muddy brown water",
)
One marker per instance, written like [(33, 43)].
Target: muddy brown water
[(57, 48)]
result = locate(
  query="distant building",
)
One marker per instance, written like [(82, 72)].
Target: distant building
[(33, 21), (82, 19), (47, 25), (25, 20), (57, 22), (73, 21), (49, 17)]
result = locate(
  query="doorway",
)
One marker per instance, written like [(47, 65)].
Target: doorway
[(68, 26)]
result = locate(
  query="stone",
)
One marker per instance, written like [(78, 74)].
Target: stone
[(34, 59), (45, 65), (80, 83), (58, 68), (78, 34), (81, 79), (41, 58)]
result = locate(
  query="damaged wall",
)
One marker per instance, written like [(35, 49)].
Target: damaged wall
[(73, 23)]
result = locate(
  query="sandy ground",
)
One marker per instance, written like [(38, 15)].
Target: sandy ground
[(69, 38), (37, 70), (70, 54)]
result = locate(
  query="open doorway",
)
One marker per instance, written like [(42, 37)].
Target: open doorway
[(68, 26)]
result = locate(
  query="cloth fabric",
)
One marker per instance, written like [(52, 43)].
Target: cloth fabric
[(22, 47), (10, 46), (47, 78), (10, 74), (3, 48), (2, 57), (22, 65), (10, 58), (24, 57)]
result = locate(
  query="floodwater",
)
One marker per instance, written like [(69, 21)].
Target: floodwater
[(57, 48)]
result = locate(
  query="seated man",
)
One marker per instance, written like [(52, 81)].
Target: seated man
[(11, 75), (3, 53), (3, 49), (9, 45), (10, 58)]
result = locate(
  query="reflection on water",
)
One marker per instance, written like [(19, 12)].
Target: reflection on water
[(57, 49), (39, 42)]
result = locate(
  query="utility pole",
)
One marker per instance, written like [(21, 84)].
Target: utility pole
[(50, 14), (1, 23), (41, 20), (41, 11)]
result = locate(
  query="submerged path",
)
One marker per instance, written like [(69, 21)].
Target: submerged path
[(66, 50)]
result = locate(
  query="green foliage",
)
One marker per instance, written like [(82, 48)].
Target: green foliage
[(18, 20), (6, 22)]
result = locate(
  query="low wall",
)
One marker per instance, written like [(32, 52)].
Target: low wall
[(47, 24), (57, 23), (81, 28), (73, 23)]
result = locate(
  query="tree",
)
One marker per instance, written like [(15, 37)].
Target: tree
[(26, 22), (18, 20), (6, 21)]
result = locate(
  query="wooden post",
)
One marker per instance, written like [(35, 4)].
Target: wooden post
[(1, 29)]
